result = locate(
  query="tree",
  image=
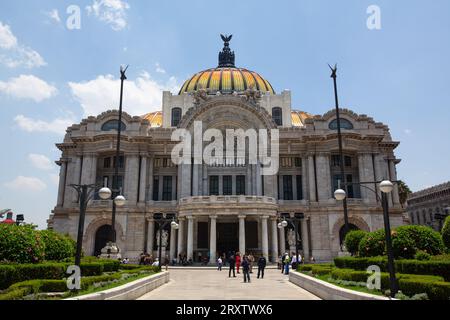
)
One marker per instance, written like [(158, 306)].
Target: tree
[(403, 192)]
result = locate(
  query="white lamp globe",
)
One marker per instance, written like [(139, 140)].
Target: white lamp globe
[(174, 225), (279, 225), (104, 193), (120, 201), (340, 194), (284, 223), (386, 186)]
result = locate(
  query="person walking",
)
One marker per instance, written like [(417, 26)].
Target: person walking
[(219, 264), (287, 260), (251, 260), (283, 266), (232, 263), (261, 266), (246, 269), (238, 261)]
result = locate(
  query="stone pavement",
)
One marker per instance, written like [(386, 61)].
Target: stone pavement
[(210, 284)]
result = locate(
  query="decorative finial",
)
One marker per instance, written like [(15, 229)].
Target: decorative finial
[(226, 56)]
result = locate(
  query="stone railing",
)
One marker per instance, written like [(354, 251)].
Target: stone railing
[(129, 291), (228, 199)]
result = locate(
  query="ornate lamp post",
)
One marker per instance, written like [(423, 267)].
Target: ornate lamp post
[(287, 220), (86, 193), (341, 154), (386, 187), (163, 219)]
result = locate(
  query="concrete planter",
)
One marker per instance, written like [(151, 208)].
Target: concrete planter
[(328, 291), (129, 291)]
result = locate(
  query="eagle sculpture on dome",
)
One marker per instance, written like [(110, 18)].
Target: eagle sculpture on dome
[(226, 38)]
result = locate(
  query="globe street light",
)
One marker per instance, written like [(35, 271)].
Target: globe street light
[(85, 194), (386, 187)]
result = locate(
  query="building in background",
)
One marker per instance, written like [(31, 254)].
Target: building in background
[(429, 207), (228, 207)]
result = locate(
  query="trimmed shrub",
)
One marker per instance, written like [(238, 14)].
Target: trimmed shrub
[(352, 240), (21, 244), (446, 233), (424, 238), (402, 244), (406, 241), (57, 246), (14, 294), (372, 244), (91, 269), (422, 256)]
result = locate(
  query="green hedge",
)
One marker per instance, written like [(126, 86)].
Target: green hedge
[(429, 267), (13, 273), (409, 284)]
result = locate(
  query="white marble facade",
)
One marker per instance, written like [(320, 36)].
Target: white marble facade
[(225, 208)]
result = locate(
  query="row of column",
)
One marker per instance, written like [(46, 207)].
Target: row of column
[(178, 245)]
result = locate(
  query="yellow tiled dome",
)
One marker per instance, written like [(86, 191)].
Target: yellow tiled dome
[(226, 80)]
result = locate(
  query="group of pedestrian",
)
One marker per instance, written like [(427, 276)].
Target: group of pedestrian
[(289, 261), (235, 262)]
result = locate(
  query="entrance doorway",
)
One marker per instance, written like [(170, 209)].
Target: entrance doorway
[(227, 238), (102, 236)]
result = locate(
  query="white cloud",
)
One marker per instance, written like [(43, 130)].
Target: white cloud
[(141, 96), (22, 183), (58, 125), (40, 161), (54, 15), (13, 54), (28, 87), (159, 69), (112, 12), (408, 131)]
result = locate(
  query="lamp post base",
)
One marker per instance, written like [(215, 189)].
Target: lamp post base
[(111, 251)]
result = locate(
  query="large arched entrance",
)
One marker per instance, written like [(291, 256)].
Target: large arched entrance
[(102, 236)]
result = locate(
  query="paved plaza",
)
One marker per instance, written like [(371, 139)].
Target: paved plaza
[(209, 284)]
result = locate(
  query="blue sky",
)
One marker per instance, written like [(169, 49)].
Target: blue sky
[(51, 76)]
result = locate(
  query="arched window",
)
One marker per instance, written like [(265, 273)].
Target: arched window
[(277, 116), (351, 227), (345, 124), (113, 125), (176, 116)]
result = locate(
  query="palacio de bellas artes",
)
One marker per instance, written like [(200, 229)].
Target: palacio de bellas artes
[(227, 156)]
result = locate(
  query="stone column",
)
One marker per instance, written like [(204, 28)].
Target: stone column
[(150, 236), (248, 189), (150, 179), (173, 244), (204, 183), (305, 177), (258, 180), (212, 240), (180, 236), (241, 234), (265, 237), (282, 241), (131, 178), (190, 239), (195, 179), (395, 195), (311, 178), (185, 180), (89, 169), (62, 183), (273, 222), (143, 179), (305, 243), (323, 176)]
